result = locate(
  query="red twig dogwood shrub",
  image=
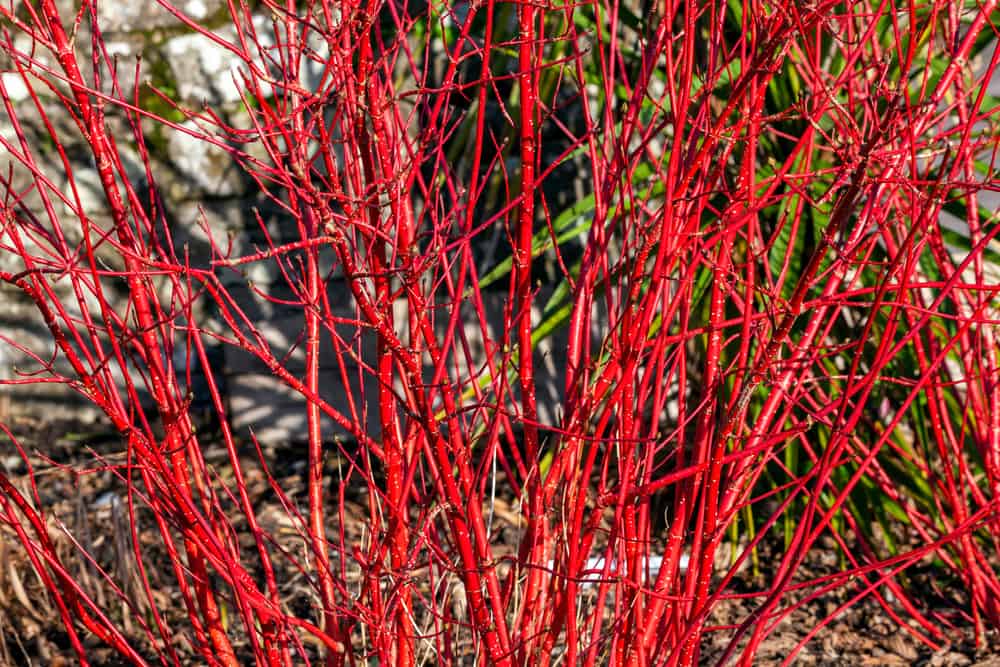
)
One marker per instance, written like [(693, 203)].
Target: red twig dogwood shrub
[(770, 296)]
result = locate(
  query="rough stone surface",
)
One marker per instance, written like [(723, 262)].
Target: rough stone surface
[(149, 15), (205, 169), (208, 72)]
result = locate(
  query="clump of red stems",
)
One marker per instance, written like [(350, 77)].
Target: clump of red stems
[(764, 314)]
